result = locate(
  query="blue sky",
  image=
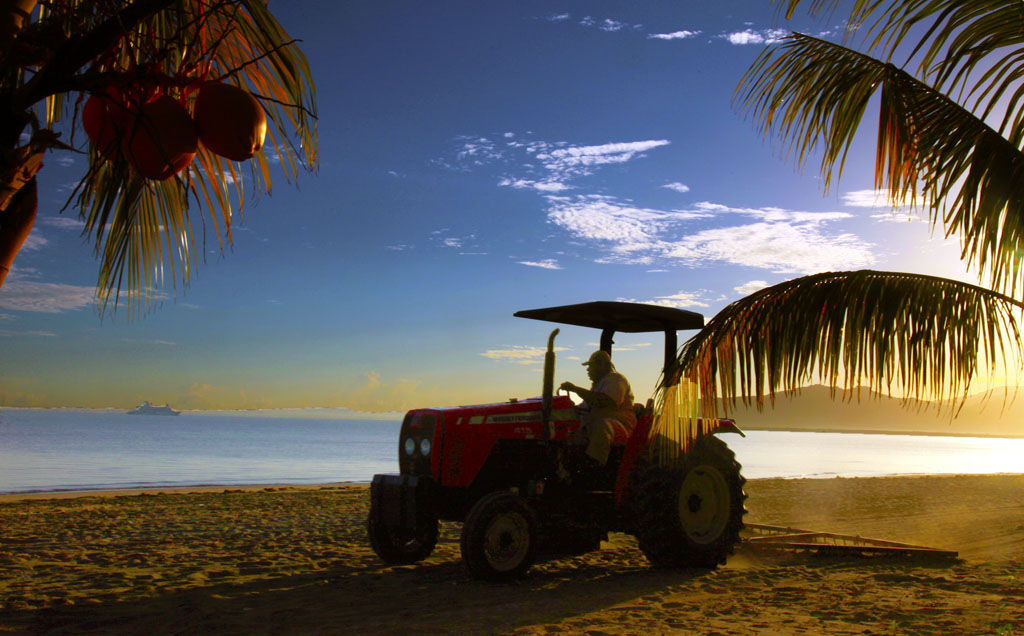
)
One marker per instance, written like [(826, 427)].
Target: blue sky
[(476, 158)]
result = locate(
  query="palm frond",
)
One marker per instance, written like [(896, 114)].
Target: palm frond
[(959, 46), (858, 13), (807, 92), (788, 7), (812, 95), (969, 49), (925, 336)]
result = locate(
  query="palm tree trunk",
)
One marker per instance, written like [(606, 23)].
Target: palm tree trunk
[(18, 219), (13, 15)]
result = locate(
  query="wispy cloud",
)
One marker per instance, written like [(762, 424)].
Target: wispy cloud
[(519, 354), (680, 300), (768, 237), (4, 333), (529, 184), (444, 239), (543, 166), (50, 298), (751, 36), (580, 160), (602, 218), (619, 348), (63, 222), (607, 25), (773, 214), (750, 287), (675, 35), (866, 198), (547, 263), (150, 341), (34, 241), (780, 247), (478, 150), (782, 241), (881, 201)]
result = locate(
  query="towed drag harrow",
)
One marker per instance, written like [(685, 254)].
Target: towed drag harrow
[(777, 538)]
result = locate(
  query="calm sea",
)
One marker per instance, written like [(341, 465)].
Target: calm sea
[(64, 449)]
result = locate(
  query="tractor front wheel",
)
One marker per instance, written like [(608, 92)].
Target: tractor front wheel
[(397, 546), (499, 537), (691, 514)]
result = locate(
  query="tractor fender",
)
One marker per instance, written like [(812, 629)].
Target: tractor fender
[(637, 440), (728, 426)]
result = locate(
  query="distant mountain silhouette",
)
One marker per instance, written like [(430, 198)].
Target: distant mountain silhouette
[(814, 409)]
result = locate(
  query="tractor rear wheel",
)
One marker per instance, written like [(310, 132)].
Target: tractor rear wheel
[(691, 514), (499, 537), (397, 546)]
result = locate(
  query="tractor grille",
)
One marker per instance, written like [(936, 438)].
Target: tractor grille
[(416, 443)]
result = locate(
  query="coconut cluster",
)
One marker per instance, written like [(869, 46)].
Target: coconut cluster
[(159, 137)]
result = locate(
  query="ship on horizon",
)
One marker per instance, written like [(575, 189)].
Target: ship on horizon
[(148, 409)]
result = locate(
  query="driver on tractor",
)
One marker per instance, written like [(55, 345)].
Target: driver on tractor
[(606, 414)]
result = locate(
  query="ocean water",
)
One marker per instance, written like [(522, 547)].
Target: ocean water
[(63, 449)]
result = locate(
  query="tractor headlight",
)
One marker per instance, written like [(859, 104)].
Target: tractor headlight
[(410, 446), (425, 447)]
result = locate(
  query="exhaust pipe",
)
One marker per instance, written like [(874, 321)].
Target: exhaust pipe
[(549, 387)]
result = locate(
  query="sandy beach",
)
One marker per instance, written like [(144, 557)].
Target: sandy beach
[(267, 560)]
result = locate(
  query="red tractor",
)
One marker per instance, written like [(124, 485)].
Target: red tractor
[(496, 469)]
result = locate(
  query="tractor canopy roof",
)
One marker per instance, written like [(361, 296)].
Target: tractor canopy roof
[(617, 316), (610, 317)]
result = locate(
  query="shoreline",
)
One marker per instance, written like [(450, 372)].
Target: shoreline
[(854, 431), (172, 490), (136, 491)]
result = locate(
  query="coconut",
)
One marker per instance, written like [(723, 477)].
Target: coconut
[(104, 122), (230, 121), (161, 140)]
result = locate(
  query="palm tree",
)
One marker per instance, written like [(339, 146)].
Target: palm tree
[(948, 74), (137, 49)]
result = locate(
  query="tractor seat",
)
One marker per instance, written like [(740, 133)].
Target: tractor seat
[(622, 436), (642, 410), (625, 447), (637, 441)]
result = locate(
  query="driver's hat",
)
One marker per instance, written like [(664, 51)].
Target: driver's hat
[(599, 357)]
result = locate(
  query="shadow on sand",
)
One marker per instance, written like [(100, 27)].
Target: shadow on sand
[(363, 597)]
